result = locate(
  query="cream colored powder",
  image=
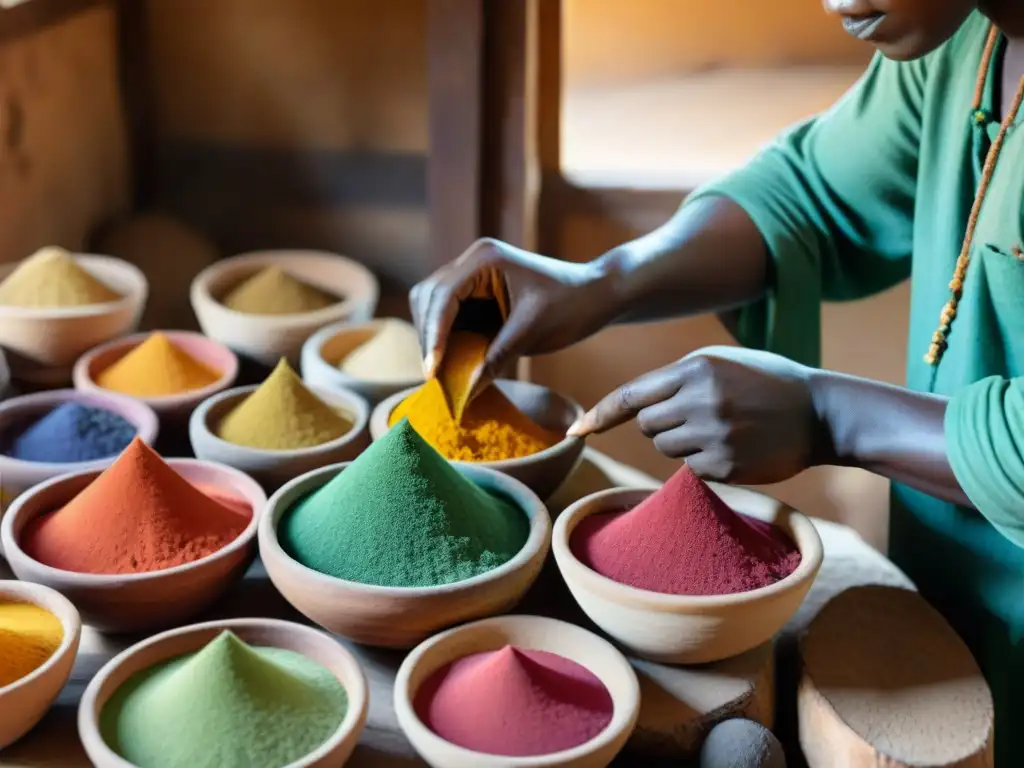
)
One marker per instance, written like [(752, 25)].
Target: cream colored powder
[(391, 355)]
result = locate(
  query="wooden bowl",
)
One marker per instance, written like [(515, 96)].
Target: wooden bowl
[(272, 469), (325, 349), (400, 617), (542, 472), (688, 629), (534, 633), (18, 476), (172, 409), (267, 338), (311, 643), (24, 702), (43, 342), (138, 601)]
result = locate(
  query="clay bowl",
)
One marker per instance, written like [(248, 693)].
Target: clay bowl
[(542, 472), (43, 343), (681, 629), (272, 469), (400, 617), (268, 338), (311, 643), (326, 348), (173, 410), (18, 475), (138, 601), (534, 633), (24, 702)]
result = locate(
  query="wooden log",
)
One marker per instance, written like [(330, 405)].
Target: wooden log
[(681, 705), (887, 682)]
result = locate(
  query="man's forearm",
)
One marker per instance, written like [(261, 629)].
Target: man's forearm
[(888, 430), (710, 257)]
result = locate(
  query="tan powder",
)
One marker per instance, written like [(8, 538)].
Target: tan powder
[(272, 291), (52, 278), (391, 355)]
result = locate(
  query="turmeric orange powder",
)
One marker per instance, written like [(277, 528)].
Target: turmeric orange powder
[(461, 366), (492, 427)]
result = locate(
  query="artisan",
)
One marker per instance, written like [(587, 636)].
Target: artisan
[(917, 172)]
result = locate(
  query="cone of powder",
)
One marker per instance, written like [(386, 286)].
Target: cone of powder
[(138, 515), (402, 516), (390, 355), (272, 291), (229, 705), (282, 415), (514, 702), (73, 432), (52, 278), (157, 368), (684, 540)]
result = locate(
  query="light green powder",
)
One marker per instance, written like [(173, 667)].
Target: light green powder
[(229, 705)]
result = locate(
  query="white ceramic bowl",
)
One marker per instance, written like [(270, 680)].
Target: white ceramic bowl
[(400, 617), (43, 343), (685, 629), (325, 349), (272, 469), (173, 410), (138, 601), (311, 643), (534, 633), (542, 472), (17, 475), (267, 338), (24, 702)]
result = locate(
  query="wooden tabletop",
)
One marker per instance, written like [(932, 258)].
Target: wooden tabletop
[(848, 561)]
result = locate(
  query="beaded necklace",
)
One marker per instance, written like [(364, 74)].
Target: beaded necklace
[(956, 285)]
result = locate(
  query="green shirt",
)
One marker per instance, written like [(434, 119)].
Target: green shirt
[(856, 200)]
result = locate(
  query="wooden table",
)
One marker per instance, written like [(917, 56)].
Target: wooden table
[(848, 561)]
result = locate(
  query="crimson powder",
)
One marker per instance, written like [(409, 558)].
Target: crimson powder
[(684, 540)]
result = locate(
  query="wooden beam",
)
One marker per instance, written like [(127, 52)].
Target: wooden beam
[(455, 62), (137, 85), (549, 113), (28, 17)]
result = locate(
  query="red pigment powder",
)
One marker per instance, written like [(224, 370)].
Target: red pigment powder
[(684, 540), (138, 515), (514, 702)]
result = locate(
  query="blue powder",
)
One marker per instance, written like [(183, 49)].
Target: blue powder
[(73, 432)]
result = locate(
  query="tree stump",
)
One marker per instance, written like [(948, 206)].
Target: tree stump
[(887, 682)]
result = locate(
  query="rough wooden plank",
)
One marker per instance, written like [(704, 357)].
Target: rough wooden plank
[(456, 39), (63, 163)]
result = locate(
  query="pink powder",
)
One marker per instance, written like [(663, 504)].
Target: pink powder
[(684, 540), (514, 702)]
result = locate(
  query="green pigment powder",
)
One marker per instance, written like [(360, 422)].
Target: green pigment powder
[(229, 705), (401, 516)]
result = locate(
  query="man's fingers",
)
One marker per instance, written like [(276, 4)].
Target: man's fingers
[(627, 401)]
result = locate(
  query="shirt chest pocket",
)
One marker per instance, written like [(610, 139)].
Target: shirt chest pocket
[(1000, 285)]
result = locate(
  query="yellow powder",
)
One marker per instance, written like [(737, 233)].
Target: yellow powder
[(157, 368), (282, 415), (52, 278), (390, 355), (273, 291), (492, 428), (29, 635)]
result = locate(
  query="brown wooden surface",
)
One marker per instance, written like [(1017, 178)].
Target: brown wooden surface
[(708, 693)]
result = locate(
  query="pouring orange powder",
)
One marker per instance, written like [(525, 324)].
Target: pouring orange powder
[(139, 515)]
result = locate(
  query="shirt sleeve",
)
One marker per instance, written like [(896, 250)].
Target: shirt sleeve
[(834, 199), (985, 445)]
